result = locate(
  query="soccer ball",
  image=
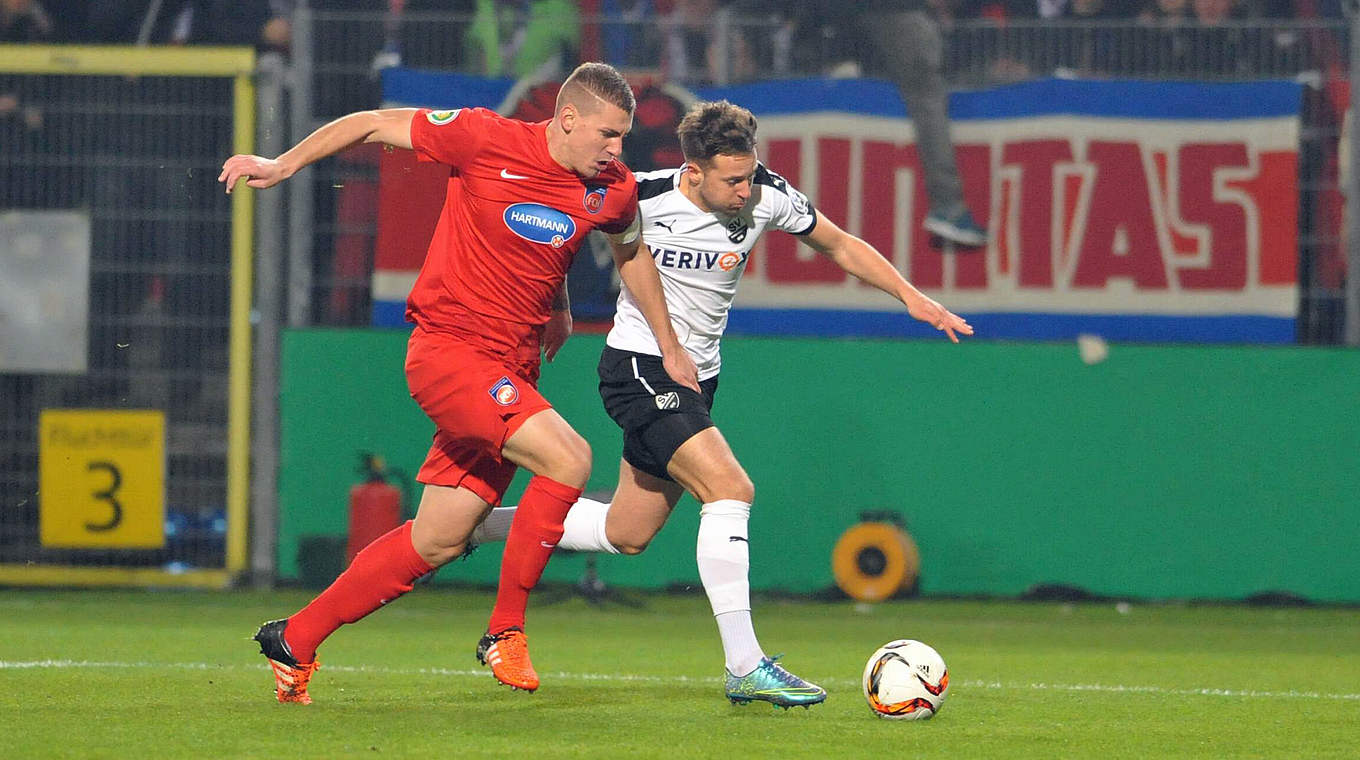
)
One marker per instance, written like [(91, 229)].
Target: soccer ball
[(905, 680)]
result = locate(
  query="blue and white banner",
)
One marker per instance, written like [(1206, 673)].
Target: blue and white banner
[(1150, 211)]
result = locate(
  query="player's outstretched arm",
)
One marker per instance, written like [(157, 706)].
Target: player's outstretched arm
[(639, 273), (391, 126), (865, 262)]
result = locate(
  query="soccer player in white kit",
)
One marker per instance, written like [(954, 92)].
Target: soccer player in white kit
[(700, 222)]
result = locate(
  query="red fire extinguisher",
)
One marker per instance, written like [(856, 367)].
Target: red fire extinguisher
[(375, 506)]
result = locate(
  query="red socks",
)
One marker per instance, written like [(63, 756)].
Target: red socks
[(383, 571), (534, 534), (388, 567)]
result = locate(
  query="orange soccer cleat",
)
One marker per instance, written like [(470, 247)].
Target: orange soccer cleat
[(507, 653), (290, 676)]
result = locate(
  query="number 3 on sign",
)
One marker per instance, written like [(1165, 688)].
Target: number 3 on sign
[(108, 495), (102, 479)]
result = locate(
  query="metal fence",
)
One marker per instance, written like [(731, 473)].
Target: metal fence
[(343, 52), (135, 155), (129, 145)]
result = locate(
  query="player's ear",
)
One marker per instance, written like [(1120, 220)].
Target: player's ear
[(694, 172), (567, 117)]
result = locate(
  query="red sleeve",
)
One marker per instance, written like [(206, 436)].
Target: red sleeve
[(449, 137), (628, 213)]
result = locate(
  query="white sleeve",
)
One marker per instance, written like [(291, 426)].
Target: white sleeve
[(790, 209)]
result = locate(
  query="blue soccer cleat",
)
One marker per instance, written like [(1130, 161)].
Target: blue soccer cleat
[(773, 684)]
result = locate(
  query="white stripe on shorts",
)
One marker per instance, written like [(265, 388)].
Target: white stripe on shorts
[(641, 379)]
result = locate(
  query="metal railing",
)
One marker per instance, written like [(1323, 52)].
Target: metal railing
[(344, 51)]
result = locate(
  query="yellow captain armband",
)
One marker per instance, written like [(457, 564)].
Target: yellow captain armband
[(628, 235)]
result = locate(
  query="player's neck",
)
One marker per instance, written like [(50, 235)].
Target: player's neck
[(691, 192), (557, 146)]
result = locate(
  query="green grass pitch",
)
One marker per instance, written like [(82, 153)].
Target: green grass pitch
[(173, 675)]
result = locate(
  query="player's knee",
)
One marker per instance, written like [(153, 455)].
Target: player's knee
[(438, 554), (572, 465), (736, 485), (632, 545), (742, 488)]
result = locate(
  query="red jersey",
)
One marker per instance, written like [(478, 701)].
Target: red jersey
[(512, 221)]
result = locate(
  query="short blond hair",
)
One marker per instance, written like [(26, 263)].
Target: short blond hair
[(600, 80)]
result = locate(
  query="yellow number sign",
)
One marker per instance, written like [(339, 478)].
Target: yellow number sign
[(102, 478)]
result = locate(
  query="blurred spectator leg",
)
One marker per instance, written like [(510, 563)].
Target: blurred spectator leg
[(911, 45)]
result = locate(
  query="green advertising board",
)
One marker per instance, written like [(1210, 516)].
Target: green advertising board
[(1161, 472)]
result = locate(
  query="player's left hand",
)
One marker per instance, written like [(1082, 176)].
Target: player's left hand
[(556, 332), (928, 310), (681, 368), (259, 172)]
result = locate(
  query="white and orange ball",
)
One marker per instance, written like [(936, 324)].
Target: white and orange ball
[(905, 680)]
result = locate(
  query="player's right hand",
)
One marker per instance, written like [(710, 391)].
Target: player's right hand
[(259, 172), (681, 368), (928, 310)]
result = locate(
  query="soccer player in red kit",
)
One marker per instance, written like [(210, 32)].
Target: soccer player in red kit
[(489, 300)]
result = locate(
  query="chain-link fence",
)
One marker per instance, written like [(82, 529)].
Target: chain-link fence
[(347, 50), (112, 167), (108, 174)]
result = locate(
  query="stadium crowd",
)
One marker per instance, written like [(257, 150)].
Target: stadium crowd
[(698, 42), (687, 37)]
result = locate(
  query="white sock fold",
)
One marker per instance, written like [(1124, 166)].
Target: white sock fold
[(583, 530), (495, 527), (723, 555)]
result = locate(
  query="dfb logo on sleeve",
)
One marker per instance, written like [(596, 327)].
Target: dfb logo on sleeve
[(440, 118), (668, 400), (504, 392)]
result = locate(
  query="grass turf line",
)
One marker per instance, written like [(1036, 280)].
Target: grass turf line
[(174, 674)]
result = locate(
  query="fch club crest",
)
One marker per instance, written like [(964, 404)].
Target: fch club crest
[(594, 198), (504, 392)]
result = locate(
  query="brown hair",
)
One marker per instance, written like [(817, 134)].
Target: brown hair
[(598, 79), (710, 129)]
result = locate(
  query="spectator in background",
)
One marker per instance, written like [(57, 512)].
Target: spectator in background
[(688, 35), (900, 39), (1213, 12), (24, 21), (702, 47), (227, 22), (905, 35), (261, 23), (1164, 43), (1217, 47), (21, 21), (1165, 13), (116, 21), (1095, 45), (628, 30), (520, 38)]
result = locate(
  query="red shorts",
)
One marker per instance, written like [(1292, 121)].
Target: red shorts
[(478, 397)]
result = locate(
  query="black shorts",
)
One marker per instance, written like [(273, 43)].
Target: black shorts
[(656, 413)]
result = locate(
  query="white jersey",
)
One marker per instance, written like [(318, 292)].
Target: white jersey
[(701, 256)]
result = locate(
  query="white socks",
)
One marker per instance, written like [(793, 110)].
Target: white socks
[(722, 553), (583, 529), (495, 527)]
